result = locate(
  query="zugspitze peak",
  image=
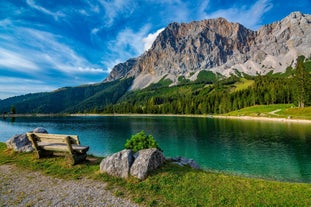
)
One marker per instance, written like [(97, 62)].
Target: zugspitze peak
[(221, 47)]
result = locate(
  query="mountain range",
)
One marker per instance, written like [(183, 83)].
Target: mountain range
[(221, 47), (184, 52)]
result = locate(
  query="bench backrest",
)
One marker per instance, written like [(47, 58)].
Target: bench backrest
[(53, 138)]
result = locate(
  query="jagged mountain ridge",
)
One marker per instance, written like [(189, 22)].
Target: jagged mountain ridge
[(219, 46)]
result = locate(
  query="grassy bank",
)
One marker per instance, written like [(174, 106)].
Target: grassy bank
[(274, 111), (172, 185)]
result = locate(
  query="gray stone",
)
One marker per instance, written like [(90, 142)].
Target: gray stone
[(118, 164), (182, 161), (146, 161), (40, 130), (19, 143)]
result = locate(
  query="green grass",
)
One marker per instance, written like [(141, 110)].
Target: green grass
[(298, 113), (172, 185), (274, 110), (243, 84)]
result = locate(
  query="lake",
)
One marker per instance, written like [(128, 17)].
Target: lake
[(262, 149)]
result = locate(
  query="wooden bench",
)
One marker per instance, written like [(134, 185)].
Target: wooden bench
[(46, 145)]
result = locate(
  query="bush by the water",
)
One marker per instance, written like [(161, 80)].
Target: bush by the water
[(141, 141)]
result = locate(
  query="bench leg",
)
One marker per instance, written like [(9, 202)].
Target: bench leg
[(43, 153), (76, 158)]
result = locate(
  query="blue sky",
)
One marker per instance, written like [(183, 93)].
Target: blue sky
[(45, 45)]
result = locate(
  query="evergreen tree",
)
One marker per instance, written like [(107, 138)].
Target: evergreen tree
[(301, 80)]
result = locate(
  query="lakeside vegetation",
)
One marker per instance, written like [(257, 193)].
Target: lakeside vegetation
[(214, 94), (172, 185), (288, 111)]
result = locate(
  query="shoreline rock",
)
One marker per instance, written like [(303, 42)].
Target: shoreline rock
[(182, 161), (118, 164), (147, 160), (20, 142), (126, 163)]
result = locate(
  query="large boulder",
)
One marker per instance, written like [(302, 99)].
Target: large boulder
[(118, 164), (19, 143), (146, 161)]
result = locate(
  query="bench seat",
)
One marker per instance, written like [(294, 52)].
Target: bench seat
[(62, 147)]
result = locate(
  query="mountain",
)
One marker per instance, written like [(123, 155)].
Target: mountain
[(221, 47), (203, 67)]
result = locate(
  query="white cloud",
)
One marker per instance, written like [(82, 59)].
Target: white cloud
[(150, 39), (15, 61), (128, 43), (94, 31), (19, 86), (248, 16), (27, 50), (92, 70), (115, 8), (48, 51), (55, 15)]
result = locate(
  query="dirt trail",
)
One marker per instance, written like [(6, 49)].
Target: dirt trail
[(27, 188)]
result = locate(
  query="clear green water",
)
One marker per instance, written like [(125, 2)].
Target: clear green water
[(271, 150)]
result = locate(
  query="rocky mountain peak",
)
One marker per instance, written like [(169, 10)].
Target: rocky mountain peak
[(184, 49)]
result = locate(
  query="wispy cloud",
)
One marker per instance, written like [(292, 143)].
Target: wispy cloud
[(55, 15), (114, 8), (42, 48), (15, 61), (41, 56), (249, 16), (18, 86), (128, 43)]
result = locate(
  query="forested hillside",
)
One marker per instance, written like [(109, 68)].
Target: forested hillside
[(209, 95), (68, 99)]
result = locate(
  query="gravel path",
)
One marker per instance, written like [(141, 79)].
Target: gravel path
[(27, 188)]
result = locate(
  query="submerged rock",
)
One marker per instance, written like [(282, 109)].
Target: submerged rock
[(118, 164), (182, 161)]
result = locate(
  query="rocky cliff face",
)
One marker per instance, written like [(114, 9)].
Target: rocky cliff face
[(219, 46)]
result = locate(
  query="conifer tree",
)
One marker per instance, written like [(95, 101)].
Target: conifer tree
[(301, 79)]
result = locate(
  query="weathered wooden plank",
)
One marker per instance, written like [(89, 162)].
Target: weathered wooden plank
[(62, 147), (54, 138)]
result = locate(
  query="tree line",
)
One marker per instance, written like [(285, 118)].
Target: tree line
[(290, 87)]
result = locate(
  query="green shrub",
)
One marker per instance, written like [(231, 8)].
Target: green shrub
[(141, 141)]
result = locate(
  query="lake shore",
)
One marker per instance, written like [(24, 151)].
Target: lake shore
[(277, 119)]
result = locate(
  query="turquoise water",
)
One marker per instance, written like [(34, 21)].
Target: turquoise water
[(271, 150)]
